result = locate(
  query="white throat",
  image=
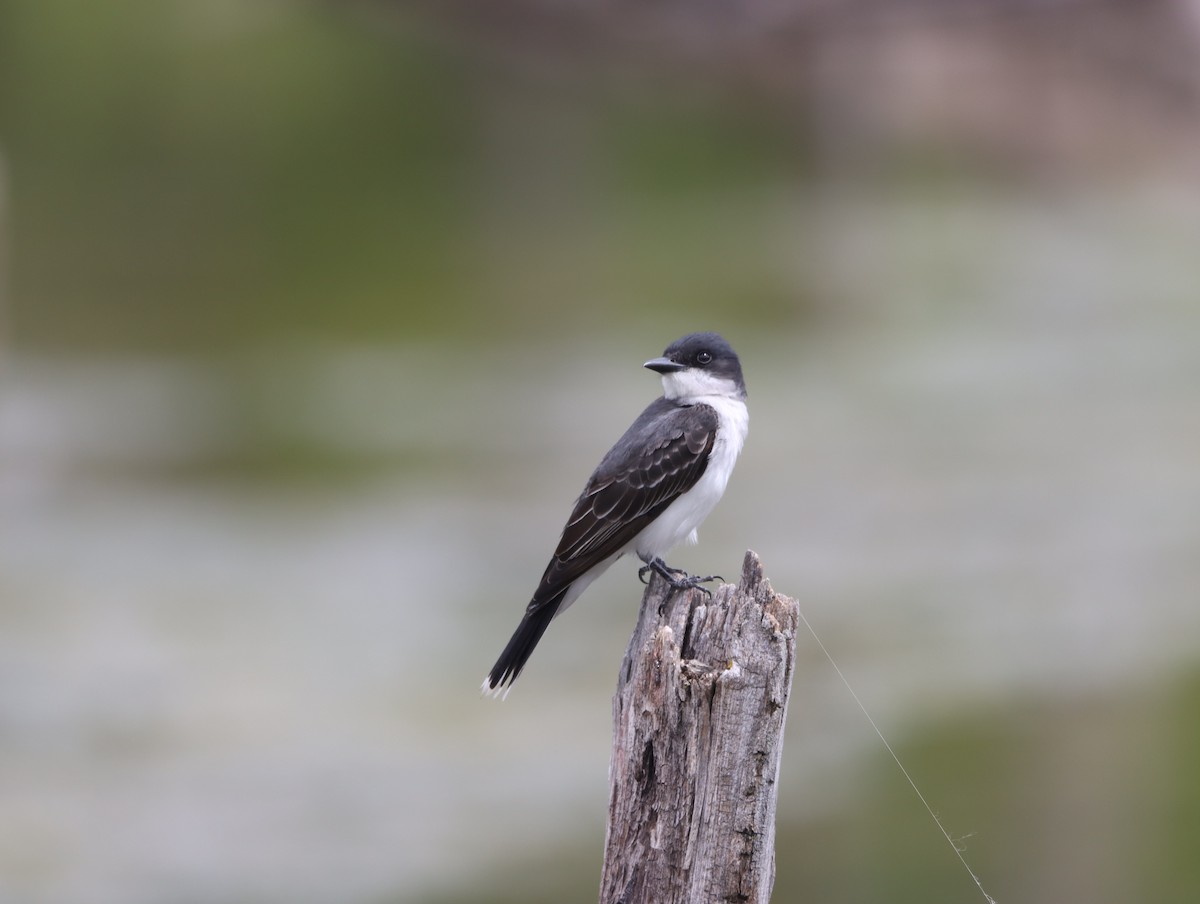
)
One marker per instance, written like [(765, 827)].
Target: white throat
[(692, 385)]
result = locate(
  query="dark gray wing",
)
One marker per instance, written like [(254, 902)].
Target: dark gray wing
[(660, 457)]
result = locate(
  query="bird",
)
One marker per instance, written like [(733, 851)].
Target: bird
[(650, 492)]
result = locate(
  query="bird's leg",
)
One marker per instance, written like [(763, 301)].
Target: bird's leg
[(677, 578)]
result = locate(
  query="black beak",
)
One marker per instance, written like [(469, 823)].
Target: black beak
[(663, 365)]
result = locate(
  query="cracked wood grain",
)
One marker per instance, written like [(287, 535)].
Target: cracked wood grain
[(698, 721)]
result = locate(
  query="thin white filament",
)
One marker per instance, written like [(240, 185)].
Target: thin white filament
[(957, 851)]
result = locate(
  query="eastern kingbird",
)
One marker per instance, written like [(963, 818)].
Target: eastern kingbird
[(651, 491)]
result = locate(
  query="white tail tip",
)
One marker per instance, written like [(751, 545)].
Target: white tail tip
[(496, 693)]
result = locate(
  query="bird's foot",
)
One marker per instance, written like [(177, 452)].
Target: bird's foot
[(677, 578)]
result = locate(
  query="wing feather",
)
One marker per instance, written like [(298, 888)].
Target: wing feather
[(659, 458)]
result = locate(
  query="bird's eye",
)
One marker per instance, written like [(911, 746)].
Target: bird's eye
[(703, 357)]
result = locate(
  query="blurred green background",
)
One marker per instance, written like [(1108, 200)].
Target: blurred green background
[(314, 316)]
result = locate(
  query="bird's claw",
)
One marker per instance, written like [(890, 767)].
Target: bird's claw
[(676, 578)]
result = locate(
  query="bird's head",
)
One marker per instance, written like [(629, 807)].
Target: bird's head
[(698, 365)]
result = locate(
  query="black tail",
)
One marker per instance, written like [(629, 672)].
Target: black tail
[(534, 624)]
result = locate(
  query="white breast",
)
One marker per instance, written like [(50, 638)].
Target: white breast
[(685, 514)]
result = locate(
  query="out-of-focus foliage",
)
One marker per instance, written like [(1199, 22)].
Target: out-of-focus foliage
[(184, 174), (191, 175)]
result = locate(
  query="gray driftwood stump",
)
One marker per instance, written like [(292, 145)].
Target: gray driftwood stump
[(697, 737)]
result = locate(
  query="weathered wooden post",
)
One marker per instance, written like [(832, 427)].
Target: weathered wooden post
[(697, 737)]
